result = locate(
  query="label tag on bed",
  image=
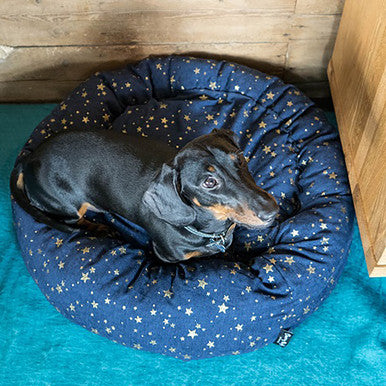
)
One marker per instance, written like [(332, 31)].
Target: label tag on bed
[(284, 337)]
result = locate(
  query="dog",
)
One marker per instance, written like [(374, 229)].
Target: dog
[(189, 201)]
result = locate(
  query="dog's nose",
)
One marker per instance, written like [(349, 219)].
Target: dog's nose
[(269, 210), (268, 216)]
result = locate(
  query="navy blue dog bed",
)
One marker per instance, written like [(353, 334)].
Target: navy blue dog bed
[(231, 303)]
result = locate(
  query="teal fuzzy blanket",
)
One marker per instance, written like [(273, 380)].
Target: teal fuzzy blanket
[(344, 342)]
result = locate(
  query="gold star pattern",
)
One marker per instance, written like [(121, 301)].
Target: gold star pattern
[(311, 269), (237, 278), (247, 246), (289, 260), (268, 268), (85, 277), (267, 149), (168, 294), (202, 283), (94, 304)]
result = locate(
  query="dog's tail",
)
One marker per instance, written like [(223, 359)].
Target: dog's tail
[(19, 195)]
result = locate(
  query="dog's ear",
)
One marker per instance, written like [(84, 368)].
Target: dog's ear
[(229, 134), (163, 199)]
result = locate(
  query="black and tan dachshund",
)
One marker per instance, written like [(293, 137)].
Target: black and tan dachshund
[(188, 201)]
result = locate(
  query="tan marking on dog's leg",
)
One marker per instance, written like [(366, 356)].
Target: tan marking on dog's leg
[(92, 226), (84, 207), (20, 181), (196, 201), (189, 255), (211, 168), (89, 225)]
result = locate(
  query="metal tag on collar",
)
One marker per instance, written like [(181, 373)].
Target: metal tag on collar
[(219, 244)]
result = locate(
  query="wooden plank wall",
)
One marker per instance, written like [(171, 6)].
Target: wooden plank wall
[(48, 46)]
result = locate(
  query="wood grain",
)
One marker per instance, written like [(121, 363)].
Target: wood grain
[(154, 27), (45, 40), (33, 7), (36, 91), (307, 60), (357, 74), (78, 62), (329, 7)]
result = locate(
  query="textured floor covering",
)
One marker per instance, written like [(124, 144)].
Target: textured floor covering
[(344, 342)]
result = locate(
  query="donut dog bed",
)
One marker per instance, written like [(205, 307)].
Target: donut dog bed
[(271, 279)]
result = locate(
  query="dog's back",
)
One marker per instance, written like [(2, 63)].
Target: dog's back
[(52, 180)]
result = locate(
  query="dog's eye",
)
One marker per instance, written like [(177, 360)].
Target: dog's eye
[(210, 182)]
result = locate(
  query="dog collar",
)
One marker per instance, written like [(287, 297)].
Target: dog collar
[(215, 239)]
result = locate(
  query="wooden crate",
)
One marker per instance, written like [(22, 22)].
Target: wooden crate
[(357, 78)]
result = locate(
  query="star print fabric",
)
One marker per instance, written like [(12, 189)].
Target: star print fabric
[(232, 303)]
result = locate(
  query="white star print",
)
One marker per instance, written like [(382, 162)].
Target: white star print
[(85, 277), (239, 327), (192, 334), (202, 283), (222, 308), (168, 294)]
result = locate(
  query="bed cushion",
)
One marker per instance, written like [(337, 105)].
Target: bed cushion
[(270, 281)]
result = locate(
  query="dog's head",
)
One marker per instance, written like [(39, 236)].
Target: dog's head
[(210, 173)]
